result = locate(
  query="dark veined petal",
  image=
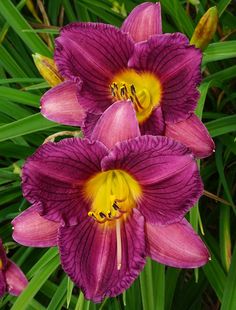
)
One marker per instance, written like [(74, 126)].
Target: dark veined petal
[(176, 245), (116, 124), (89, 256), (155, 124), (143, 21), (3, 285), (93, 52), (192, 133), (55, 174), (166, 171), (3, 256), (60, 104), (31, 229), (177, 65), (15, 279)]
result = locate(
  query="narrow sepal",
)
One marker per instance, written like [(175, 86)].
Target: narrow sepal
[(60, 104), (15, 279), (192, 133), (117, 123), (176, 245), (31, 229), (143, 21)]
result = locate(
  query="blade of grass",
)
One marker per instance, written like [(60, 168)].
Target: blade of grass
[(229, 297), (18, 23), (19, 96), (146, 286), (25, 126), (219, 51), (222, 126), (35, 284), (59, 296)]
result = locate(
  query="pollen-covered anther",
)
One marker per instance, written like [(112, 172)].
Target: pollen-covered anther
[(114, 213)]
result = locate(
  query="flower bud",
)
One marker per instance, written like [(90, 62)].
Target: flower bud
[(205, 29), (47, 68)]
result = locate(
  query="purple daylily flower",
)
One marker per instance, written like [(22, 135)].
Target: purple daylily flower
[(112, 201), (12, 279), (158, 72)]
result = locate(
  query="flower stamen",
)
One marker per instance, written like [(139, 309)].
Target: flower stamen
[(118, 245), (144, 89), (112, 194)]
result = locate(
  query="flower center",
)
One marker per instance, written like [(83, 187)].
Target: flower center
[(143, 89), (112, 193)]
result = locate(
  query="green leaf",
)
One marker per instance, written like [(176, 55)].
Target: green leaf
[(215, 276), (219, 51), (146, 283), (229, 297), (25, 126), (19, 96), (222, 5), (18, 23), (35, 284), (222, 126)]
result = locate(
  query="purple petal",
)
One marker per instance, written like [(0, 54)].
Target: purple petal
[(3, 285), (117, 123), (31, 229), (176, 245), (143, 21), (3, 256), (60, 104), (54, 176), (93, 52), (90, 122), (166, 171), (89, 255), (192, 133), (154, 125), (15, 278), (177, 65)]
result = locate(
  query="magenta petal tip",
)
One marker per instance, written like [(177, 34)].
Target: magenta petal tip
[(31, 229), (143, 21), (15, 279), (60, 104), (192, 133), (117, 123), (176, 245)]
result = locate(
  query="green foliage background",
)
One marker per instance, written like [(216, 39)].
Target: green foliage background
[(24, 31)]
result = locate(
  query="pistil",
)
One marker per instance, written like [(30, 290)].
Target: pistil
[(118, 244)]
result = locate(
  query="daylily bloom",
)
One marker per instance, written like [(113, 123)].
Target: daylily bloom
[(12, 279), (110, 200), (158, 72)]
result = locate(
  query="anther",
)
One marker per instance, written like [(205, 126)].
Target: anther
[(115, 206), (122, 91), (102, 215), (92, 215), (125, 87), (132, 88), (109, 214)]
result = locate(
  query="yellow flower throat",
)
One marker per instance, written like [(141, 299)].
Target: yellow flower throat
[(143, 89), (112, 193)]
